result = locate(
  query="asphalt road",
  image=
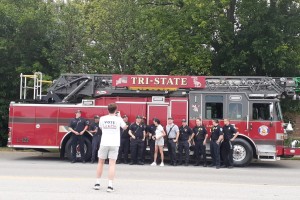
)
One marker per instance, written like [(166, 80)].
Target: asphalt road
[(27, 175)]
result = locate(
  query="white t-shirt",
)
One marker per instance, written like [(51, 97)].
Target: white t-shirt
[(110, 126), (158, 131)]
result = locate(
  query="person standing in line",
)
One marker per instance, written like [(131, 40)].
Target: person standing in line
[(150, 129), (159, 142), (144, 123), (172, 138), (185, 133), (200, 136), (230, 133), (109, 147), (215, 142), (78, 126), (125, 143), (137, 134), (96, 131)]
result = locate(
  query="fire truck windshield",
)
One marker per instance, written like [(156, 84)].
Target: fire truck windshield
[(263, 111)]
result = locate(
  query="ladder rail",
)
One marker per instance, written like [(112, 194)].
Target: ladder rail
[(37, 78)]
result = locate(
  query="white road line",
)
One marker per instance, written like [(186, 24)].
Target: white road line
[(2, 178)]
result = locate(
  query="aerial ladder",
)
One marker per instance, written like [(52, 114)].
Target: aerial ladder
[(69, 87), (74, 87)]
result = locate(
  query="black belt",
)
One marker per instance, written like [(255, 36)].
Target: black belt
[(171, 138)]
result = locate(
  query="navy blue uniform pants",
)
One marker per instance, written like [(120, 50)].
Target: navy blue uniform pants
[(75, 140), (172, 150), (144, 150), (136, 149), (227, 153), (152, 149), (215, 152), (183, 145), (95, 146), (124, 149), (200, 149)]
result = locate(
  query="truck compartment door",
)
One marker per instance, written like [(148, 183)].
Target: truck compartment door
[(159, 111), (46, 125)]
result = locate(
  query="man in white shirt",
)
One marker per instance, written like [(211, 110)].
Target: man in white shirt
[(109, 146)]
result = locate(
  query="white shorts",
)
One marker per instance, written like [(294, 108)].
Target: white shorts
[(110, 152), (159, 142)]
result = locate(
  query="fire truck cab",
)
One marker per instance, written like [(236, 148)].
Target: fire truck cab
[(252, 104)]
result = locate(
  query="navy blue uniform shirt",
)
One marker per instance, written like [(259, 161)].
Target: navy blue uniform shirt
[(93, 127), (200, 133), (78, 124), (216, 131), (184, 133), (124, 133), (228, 132), (151, 129), (137, 130)]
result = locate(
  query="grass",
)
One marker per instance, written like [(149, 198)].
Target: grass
[(6, 149)]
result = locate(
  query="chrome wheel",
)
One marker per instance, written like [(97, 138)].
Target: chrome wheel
[(239, 152)]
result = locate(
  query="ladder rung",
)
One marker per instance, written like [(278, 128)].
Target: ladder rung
[(45, 81), (28, 76)]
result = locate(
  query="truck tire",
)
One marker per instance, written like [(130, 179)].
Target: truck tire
[(242, 152), (87, 150)]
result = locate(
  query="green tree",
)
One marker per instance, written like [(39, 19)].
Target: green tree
[(23, 37), (149, 37), (258, 38), (65, 52)]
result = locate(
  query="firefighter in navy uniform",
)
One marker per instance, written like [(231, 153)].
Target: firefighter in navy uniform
[(78, 126), (96, 131), (137, 134), (230, 133), (150, 130), (125, 143), (144, 123), (185, 133), (215, 141), (200, 136)]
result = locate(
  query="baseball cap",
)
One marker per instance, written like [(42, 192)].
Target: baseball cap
[(78, 111), (96, 117), (183, 120), (139, 117)]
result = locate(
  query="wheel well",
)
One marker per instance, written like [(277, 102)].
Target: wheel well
[(65, 140), (63, 144), (251, 143)]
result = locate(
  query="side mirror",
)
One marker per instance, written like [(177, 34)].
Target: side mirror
[(271, 122), (289, 127)]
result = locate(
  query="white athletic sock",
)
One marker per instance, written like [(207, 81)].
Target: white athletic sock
[(110, 183), (98, 181)]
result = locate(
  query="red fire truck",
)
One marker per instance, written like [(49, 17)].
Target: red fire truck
[(251, 103)]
